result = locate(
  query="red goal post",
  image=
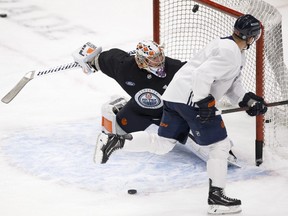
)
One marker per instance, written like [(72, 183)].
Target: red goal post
[(184, 29)]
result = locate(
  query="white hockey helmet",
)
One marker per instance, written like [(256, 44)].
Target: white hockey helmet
[(150, 56)]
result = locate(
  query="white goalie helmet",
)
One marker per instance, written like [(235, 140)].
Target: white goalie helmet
[(150, 56)]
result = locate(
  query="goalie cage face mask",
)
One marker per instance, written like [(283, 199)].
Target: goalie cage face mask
[(150, 56)]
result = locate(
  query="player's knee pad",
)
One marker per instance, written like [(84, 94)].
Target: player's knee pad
[(109, 111)]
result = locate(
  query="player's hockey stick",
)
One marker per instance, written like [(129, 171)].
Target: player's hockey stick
[(219, 112), (34, 74)]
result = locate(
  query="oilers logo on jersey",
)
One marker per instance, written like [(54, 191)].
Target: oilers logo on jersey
[(149, 99)]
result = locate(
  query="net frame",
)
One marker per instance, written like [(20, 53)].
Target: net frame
[(260, 53)]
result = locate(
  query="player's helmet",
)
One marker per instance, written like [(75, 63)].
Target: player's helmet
[(247, 26), (150, 56)]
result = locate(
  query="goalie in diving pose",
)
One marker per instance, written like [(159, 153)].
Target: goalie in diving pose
[(144, 74)]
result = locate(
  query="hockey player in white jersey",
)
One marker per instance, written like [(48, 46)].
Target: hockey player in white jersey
[(189, 105)]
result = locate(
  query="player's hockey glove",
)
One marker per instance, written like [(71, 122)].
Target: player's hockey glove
[(257, 104), (87, 57), (207, 109)]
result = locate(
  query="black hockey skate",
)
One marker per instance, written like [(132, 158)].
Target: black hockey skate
[(107, 144), (221, 204)]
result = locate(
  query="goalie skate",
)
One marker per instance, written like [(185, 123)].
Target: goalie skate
[(108, 143)]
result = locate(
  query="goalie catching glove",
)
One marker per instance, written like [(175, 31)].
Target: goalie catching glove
[(256, 104), (87, 57)]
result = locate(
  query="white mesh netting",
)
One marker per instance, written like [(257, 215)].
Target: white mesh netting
[(184, 32)]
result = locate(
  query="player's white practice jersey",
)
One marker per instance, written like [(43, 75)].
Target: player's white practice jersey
[(214, 70)]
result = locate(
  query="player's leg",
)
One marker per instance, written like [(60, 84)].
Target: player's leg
[(218, 202), (213, 134), (172, 128)]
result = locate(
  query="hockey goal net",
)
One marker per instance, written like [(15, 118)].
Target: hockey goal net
[(185, 26)]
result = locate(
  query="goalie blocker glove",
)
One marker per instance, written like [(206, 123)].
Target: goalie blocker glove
[(257, 104), (87, 57)]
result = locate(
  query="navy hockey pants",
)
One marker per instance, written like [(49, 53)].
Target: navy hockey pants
[(178, 119)]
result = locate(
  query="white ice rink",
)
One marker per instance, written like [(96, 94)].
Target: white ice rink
[(48, 132)]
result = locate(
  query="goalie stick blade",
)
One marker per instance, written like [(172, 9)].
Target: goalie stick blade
[(12, 94)]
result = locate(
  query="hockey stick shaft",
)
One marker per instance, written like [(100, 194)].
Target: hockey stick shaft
[(56, 69), (219, 112), (34, 74)]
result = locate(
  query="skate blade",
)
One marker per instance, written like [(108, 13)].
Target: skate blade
[(222, 210), (98, 155)]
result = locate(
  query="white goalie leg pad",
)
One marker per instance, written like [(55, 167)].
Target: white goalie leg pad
[(200, 151), (203, 152), (217, 162), (101, 140), (232, 158), (118, 129), (222, 210), (143, 141), (109, 111)]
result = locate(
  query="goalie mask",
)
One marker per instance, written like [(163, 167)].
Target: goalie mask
[(150, 56)]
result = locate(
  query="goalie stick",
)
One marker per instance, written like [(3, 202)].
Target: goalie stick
[(34, 74)]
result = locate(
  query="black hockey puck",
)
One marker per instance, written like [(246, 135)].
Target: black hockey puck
[(195, 8), (132, 191), (3, 15)]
